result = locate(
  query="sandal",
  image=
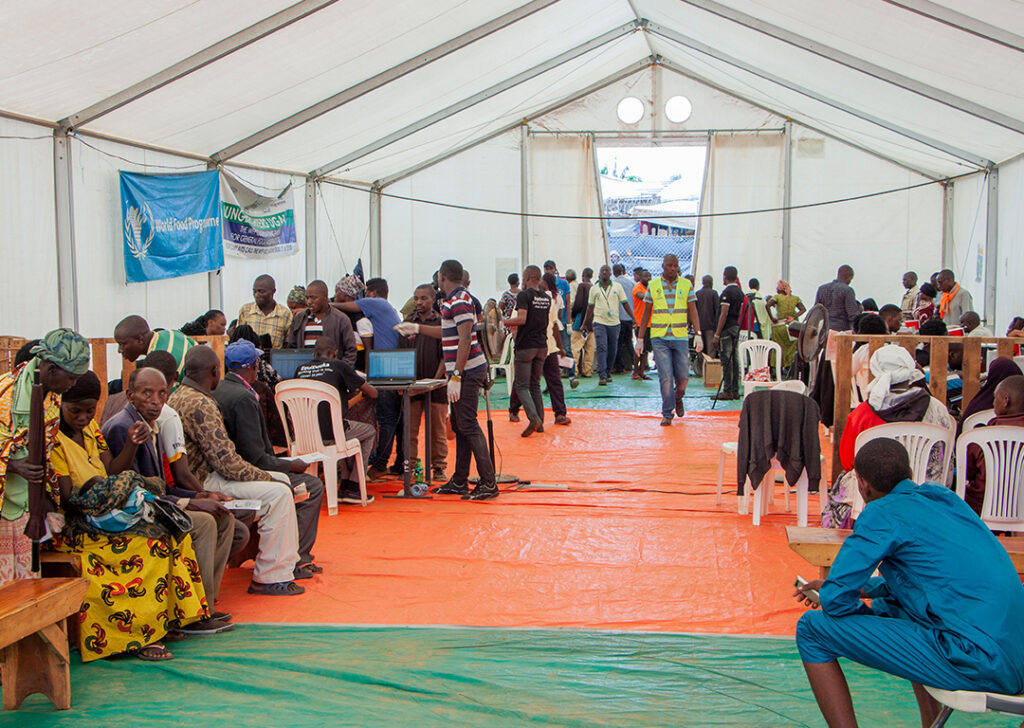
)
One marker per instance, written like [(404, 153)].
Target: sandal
[(277, 589), (155, 652), (311, 567), (175, 635)]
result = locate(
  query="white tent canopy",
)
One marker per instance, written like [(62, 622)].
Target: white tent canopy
[(361, 105)]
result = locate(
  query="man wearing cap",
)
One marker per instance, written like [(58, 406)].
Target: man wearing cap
[(264, 314), (59, 359), (245, 425), (217, 465)]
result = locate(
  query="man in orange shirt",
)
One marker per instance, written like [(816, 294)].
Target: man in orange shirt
[(642, 278)]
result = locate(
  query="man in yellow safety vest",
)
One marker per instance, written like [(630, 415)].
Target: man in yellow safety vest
[(669, 300)]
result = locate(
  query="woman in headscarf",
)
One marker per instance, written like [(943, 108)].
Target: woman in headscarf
[(297, 299), (898, 393), (788, 308), (143, 581), (59, 359), (1000, 368)]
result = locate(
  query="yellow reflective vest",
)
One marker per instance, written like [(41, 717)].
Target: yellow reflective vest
[(662, 317)]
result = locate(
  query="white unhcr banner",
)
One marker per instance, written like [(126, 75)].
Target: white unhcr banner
[(256, 226)]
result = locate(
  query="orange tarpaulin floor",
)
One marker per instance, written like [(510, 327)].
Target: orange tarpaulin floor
[(635, 542)]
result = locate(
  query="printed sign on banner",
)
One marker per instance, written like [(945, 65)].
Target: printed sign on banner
[(256, 226), (171, 225)]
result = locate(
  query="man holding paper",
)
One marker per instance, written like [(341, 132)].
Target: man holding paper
[(245, 425)]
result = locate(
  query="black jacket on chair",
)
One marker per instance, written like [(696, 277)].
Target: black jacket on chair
[(782, 425)]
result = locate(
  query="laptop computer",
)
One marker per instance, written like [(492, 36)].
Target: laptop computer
[(286, 361), (391, 366)]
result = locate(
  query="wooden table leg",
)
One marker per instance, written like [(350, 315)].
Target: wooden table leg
[(37, 664)]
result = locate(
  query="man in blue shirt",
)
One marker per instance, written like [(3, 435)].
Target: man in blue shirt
[(946, 611), (384, 318)]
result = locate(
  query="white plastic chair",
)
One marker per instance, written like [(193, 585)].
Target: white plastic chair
[(977, 419), (506, 363), (967, 701), (756, 354), (301, 399), (1003, 449), (919, 438)]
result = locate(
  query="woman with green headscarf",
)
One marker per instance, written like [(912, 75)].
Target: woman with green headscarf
[(59, 359)]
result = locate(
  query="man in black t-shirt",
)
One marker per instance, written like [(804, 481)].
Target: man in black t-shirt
[(531, 326), (727, 333), (327, 368)]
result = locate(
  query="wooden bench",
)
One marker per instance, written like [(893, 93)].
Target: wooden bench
[(819, 546), (60, 563), (33, 641)]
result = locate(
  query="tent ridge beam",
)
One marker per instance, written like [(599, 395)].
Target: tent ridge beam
[(885, 158), (967, 24), (703, 48), (479, 97), (208, 55), (381, 79), (859, 64), (603, 83)]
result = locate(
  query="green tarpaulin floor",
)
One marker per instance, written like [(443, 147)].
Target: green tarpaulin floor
[(624, 394), (299, 676)]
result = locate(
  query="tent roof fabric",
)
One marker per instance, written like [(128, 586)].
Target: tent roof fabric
[(372, 89)]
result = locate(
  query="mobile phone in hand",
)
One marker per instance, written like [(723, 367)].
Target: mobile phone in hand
[(811, 594)]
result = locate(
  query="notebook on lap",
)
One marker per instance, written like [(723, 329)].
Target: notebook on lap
[(391, 366)]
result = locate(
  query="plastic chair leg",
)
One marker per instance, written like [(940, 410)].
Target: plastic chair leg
[(801, 500), (331, 485)]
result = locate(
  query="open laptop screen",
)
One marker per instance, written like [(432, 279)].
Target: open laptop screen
[(286, 361), (397, 364)]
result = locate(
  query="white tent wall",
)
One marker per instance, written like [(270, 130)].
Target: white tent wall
[(416, 237), (654, 86), (968, 226), (881, 237), (342, 233), (29, 276), (563, 181), (104, 297), (744, 173), (1009, 294)]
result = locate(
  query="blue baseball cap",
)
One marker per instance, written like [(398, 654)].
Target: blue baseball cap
[(241, 353)]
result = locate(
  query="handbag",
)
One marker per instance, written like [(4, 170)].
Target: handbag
[(170, 515)]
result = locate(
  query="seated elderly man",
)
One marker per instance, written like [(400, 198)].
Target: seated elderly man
[(217, 465), (245, 425), (212, 524), (946, 611)]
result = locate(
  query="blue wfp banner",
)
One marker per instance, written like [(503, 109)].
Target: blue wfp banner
[(171, 224)]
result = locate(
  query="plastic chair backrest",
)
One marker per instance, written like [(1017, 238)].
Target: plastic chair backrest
[(301, 399), (759, 353), (792, 385), (920, 439), (507, 351), (1003, 449), (977, 419)]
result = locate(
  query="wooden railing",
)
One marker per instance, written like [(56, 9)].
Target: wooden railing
[(939, 351), (9, 346)]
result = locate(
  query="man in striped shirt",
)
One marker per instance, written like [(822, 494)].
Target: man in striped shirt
[(466, 367), (134, 339)]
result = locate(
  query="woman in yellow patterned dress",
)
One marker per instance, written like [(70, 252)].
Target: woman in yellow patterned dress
[(143, 581)]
